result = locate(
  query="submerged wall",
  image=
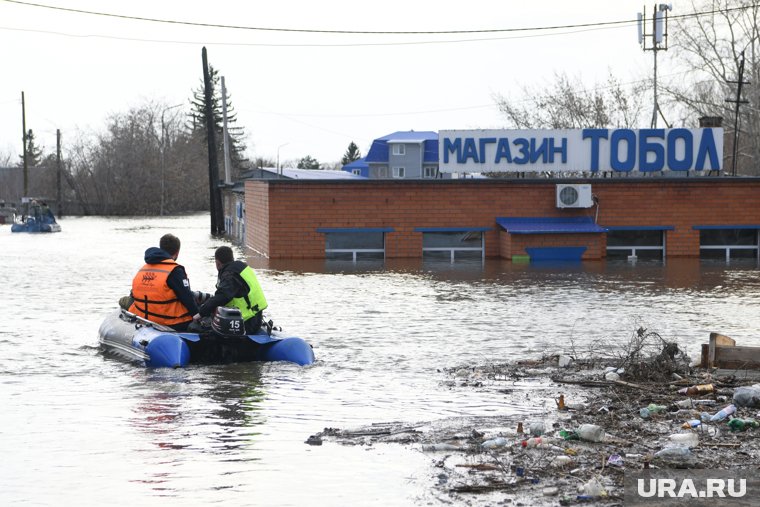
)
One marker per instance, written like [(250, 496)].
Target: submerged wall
[(282, 216)]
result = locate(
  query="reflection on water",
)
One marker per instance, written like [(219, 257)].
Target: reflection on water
[(102, 431)]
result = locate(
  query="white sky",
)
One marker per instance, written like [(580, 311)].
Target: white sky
[(315, 92)]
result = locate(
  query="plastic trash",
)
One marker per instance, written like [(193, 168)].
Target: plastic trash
[(440, 447), (561, 402), (611, 376), (676, 456), (592, 488), (591, 433), (694, 390), (493, 443), (654, 408), (551, 491), (737, 424), (723, 413), (536, 428), (532, 442), (747, 396), (561, 461), (565, 361), (644, 413), (693, 423), (569, 435), (684, 439), (705, 416), (687, 403), (615, 460)]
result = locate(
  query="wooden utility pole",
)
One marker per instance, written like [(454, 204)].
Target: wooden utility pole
[(59, 170), (215, 198), (23, 139)]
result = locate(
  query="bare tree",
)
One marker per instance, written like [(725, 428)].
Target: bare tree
[(706, 51), (124, 169), (567, 104)]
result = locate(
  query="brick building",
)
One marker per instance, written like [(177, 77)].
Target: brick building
[(709, 217)]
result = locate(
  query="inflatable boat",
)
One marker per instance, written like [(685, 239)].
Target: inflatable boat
[(36, 217), (131, 337)]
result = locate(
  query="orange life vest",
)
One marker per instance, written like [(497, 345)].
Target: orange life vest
[(154, 299)]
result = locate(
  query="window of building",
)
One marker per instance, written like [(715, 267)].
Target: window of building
[(646, 243), (718, 242), (429, 172), (453, 244), (399, 149), (357, 172), (355, 244), (399, 172), (382, 172)]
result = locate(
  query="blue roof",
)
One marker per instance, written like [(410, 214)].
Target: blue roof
[(410, 136), (378, 152), (549, 225), (357, 164)]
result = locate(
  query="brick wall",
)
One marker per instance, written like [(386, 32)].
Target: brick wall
[(282, 215)]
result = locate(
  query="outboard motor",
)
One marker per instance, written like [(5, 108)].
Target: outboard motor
[(228, 322)]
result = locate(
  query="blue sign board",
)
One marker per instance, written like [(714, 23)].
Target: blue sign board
[(590, 150)]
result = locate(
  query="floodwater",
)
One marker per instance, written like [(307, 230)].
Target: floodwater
[(78, 428)]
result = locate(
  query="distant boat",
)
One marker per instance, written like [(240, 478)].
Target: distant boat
[(36, 217)]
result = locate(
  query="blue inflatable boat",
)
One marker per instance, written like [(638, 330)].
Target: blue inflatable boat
[(128, 336), (36, 217)]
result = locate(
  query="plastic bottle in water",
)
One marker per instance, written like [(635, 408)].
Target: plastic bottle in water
[(676, 455), (591, 433), (494, 443), (737, 424), (693, 423), (694, 390), (685, 439), (569, 435), (654, 408), (723, 413), (532, 442)]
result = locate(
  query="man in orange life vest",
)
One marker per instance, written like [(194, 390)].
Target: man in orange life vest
[(161, 290)]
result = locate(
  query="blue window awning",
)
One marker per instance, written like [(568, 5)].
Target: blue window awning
[(549, 225), (351, 230)]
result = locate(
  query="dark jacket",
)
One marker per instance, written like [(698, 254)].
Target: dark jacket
[(177, 280), (229, 285)]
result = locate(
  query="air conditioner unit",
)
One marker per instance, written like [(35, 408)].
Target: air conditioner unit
[(574, 196)]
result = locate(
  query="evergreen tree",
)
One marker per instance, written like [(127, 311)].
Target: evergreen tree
[(197, 121), (308, 162), (352, 154), (33, 152)]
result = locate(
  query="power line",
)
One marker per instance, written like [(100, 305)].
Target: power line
[(363, 32)]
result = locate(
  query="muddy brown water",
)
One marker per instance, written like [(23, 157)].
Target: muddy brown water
[(80, 428)]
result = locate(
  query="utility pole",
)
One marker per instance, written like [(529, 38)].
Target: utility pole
[(737, 101), (23, 139), (59, 170), (659, 42), (215, 200), (227, 178)]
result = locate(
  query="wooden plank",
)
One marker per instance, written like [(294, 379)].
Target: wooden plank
[(749, 375), (717, 340), (704, 362), (737, 357)]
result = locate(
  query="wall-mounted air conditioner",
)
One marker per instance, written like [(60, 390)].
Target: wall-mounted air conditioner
[(574, 196)]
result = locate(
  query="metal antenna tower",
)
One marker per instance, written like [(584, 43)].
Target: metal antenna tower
[(656, 40)]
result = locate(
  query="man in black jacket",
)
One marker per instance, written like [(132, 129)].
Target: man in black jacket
[(236, 287)]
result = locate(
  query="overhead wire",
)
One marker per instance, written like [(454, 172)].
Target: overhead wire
[(363, 32)]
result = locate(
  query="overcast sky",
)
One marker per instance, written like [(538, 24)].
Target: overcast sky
[(306, 93)]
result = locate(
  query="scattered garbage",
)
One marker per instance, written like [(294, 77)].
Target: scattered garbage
[(737, 424), (580, 432), (494, 443), (684, 439), (591, 433), (697, 390), (723, 413), (748, 396), (675, 457)]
